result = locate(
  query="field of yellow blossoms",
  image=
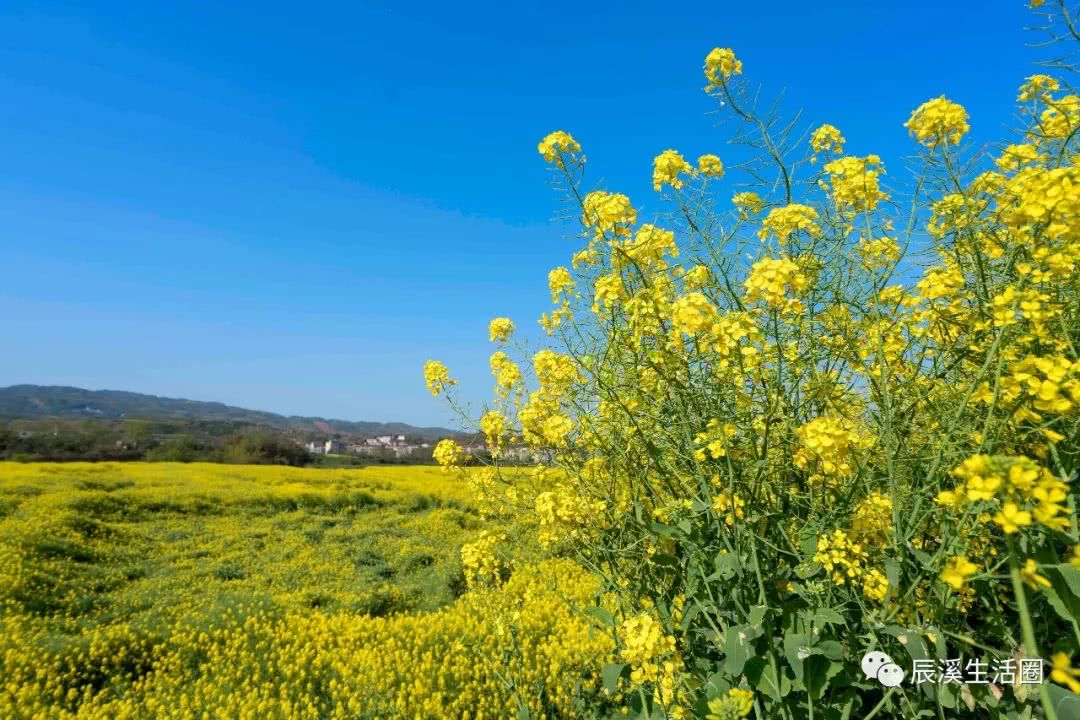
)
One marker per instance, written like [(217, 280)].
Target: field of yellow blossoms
[(145, 591), (804, 413)]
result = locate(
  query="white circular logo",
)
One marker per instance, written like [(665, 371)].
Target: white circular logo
[(890, 675), (879, 666), (873, 661)]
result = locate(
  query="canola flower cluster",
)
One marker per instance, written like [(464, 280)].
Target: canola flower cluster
[(737, 703), (670, 166), (506, 372), (1022, 492), (563, 516), (829, 448), (854, 183), (845, 561), (667, 168), (555, 145), (651, 655), (827, 139), (480, 559), (437, 377), (771, 279), (720, 66), (500, 329), (448, 453), (715, 440), (747, 204), (782, 222), (872, 519), (938, 121), (608, 214), (729, 507)]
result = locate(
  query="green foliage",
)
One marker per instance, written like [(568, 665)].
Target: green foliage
[(261, 447)]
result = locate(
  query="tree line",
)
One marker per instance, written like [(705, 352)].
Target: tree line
[(128, 440)]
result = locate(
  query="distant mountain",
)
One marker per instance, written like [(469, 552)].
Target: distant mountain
[(35, 402)]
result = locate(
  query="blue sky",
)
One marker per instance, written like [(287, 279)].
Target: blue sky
[(291, 206)]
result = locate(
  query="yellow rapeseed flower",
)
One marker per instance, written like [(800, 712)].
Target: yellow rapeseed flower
[(448, 453), (437, 377), (668, 166), (720, 65), (1031, 577), (1063, 672), (500, 329), (1011, 518), (711, 166), (938, 121), (957, 571), (827, 139), (555, 144)]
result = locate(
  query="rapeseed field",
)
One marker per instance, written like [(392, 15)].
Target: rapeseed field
[(137, 590)]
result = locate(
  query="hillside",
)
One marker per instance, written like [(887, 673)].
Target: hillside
[(35, 402)]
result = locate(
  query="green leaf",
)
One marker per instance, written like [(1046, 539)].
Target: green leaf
[(716, 685), (1064, 593), (662, 529), (758, 613), (796, 650), (819, 670), (949, 694), (611, 675), (727, 567), (1065, 702), (892, 573), (762, 678), (825, 616), (688, 617), (738, 647), (832, 649), (602, 615), (913, 642)]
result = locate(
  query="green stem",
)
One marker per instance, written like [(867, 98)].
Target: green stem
[(1031, 648), (881, 703)]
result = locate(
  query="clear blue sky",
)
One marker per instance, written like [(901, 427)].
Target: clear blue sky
[(290, 206)]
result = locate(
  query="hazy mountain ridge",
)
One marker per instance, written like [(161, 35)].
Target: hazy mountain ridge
[(33, 402)]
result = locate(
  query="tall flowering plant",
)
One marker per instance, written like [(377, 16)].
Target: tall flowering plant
[(814, 415)]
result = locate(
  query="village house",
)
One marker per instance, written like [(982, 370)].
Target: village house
[(327, 447), (386, 445)]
